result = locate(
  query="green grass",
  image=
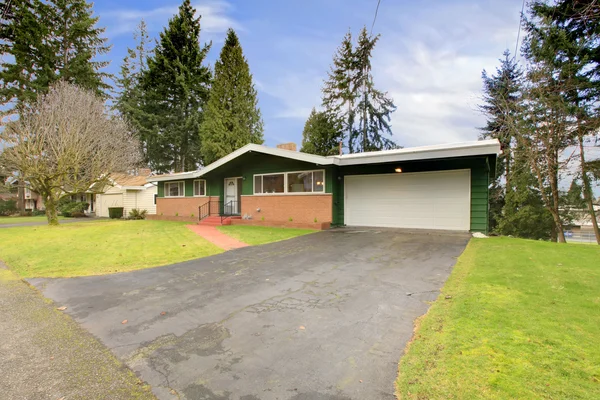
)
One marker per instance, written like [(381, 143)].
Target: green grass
[(99, 247), (254, 235), (523, 322), (21, 220)]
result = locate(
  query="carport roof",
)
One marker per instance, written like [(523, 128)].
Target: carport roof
[(452, 150)]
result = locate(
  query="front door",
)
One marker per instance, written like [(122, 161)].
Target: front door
[(231, 204)]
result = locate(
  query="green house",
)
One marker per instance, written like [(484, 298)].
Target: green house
[(441, 187)]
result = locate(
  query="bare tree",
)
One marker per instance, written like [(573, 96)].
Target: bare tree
[(66, 144)]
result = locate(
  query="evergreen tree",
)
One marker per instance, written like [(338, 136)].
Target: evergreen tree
[(340, 91), (232, 117), (76, 42), (26, 67), (374, 106), (501, 97), (574, 198), (129, 99), (321, 135), (349, 95), (176, 88), (45, 41)]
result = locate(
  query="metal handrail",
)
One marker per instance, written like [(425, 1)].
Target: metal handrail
[(228, 206), (207, 209)]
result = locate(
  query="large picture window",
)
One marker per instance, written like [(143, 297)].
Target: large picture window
[(199, 187), (174, 189), (290, 182)]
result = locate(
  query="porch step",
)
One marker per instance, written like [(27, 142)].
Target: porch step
[(216, 220)]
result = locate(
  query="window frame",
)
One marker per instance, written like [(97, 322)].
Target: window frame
[(167, 191), (194, 188), (285, 183)]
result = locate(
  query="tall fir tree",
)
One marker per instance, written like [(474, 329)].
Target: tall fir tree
[(176, 88), (501, 97), (374, 106), (77, 42), (45, 41), (339, 90), (232, 118), (128, 100), (349, 94), (321, 135)]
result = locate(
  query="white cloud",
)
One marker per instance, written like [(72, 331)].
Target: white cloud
[(215, 19)]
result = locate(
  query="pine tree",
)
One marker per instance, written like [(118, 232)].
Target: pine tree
[(76, 42), (232, 118), (321, 135), (349, 95), (340, 92), (26, 67), (43, 42), (129, 99), (374, 106), (176, 88), (501, 97)]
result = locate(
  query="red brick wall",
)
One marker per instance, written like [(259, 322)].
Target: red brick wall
[(183, 206), (301, 209)]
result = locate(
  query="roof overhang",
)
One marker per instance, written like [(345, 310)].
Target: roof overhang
[(453, 150)]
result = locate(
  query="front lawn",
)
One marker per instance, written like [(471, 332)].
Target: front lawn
[(254, 235), (517, 319), (99, 247), (21, 220)]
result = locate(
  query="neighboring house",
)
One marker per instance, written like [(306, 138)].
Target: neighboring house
[(124, 190), (429, 187), (129, 192), (33, 201)]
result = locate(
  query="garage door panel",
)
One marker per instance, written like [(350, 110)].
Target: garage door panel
[(429, 200)]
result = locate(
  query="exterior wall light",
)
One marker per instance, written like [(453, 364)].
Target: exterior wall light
[(398, 170)]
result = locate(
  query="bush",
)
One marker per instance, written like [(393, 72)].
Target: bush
[(115, 212), (74, 209), (8, 207), (136, 213), (37, 213)]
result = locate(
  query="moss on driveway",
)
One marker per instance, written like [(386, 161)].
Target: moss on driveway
[(47, 355)]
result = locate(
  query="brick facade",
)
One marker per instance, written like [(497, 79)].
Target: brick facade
[(184, 206), (302, 209)]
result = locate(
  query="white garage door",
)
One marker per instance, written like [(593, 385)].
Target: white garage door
[(423, 200), (104, 201)]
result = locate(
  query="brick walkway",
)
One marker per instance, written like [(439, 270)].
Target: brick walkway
[(211, 234)]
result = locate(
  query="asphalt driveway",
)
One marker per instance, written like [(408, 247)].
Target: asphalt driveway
[(322, 317)]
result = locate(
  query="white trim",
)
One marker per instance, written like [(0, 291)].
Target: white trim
[(451, 150), (194, 188), (170, 183), (285, 183), (288, 194)]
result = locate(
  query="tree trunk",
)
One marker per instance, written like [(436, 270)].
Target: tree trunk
[(587, 191), (51, 210)]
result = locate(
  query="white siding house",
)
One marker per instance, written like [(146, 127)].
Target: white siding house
[(129, 192)]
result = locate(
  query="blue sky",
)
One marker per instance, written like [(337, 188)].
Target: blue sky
[(429, 58)]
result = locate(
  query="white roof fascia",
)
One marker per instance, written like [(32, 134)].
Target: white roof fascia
[(464, 149), (133, 187), (173, 177)]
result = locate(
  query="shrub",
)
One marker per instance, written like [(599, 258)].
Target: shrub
[(8, 207), (37, 213), (72, 208), (115, 212), (136, 213)]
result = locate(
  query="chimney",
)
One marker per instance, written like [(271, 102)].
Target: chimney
[(287, 146)]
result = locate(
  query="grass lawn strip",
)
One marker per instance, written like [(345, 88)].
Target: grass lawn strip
[(22, 220), (99, 247), (516, 319), (255, 235)]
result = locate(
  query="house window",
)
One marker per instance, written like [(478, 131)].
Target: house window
[(174, 189), (290, 182), (199, 187)]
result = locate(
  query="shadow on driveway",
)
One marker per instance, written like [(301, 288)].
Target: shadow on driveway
[(323, 316)]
